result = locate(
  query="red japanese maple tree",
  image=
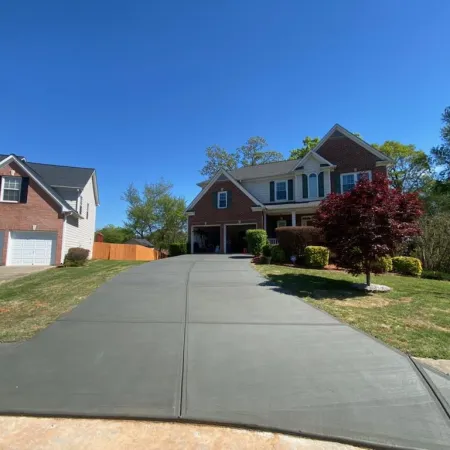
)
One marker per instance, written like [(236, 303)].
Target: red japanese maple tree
[(367, 223)]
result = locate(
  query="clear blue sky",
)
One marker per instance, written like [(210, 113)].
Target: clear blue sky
[(138, 89)]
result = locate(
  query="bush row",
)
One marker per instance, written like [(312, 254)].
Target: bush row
[(76, 257)]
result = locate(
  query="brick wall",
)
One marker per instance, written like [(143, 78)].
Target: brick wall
[(348, 156), (240, 210), (40, 210)]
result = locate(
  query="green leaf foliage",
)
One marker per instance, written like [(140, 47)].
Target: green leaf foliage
[(316, 257), (116, 235), (256, 240), (407, 265)]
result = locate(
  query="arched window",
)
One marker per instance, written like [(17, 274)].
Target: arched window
[(312, 186)]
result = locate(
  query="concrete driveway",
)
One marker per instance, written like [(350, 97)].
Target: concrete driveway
[(8, 273), (205, 338)]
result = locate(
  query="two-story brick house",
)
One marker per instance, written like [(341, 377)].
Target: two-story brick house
[(285, 193), (44, 210)]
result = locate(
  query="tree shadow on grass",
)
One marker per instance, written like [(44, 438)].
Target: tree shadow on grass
[(315, 286)]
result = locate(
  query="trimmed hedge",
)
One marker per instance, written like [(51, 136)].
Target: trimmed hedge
[(267, 251), (256, 239), (382, 265), (407, 265), (177, 249), (435, 275), (316, 256), (294, 240), (76, 257), (278, 254)]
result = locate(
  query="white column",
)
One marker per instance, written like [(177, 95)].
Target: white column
[(294, 219)]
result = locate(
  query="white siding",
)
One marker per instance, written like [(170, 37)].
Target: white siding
[(259, 189), (80, 232), (69, 195), (299, 184)]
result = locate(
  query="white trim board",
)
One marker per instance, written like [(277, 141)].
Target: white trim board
[(320, 158)]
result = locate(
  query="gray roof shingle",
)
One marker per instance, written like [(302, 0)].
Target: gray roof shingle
[(264, 170), (74, 177)]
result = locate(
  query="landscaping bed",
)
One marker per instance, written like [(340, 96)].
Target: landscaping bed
[(414, 317), (31, 303)]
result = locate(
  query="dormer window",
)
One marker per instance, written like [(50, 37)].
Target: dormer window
[(10, 189)]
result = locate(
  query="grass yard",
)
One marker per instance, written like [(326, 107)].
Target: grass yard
[(31, 303), (414, 316)]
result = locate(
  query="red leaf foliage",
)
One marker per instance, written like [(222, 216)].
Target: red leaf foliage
[(368, 222)]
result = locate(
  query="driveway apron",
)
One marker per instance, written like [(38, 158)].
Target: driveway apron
[(206, 338)]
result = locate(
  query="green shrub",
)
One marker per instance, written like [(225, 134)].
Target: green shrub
[(294, 240), (76, 257), (278, 254), (382, 265), (177, 249), (435, 275), (316, 256), (267, 251), (256, 240), (407, 265)]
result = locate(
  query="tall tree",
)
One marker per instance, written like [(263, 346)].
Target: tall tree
[(441, 153), (252, 152), (411, 170), (367, 223), (308, 144), (218, 158), (116, 235)]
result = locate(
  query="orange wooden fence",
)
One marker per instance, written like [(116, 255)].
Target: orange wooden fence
[(124, 252)]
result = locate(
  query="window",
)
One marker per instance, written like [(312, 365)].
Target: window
[(87, 210), (81, 205), (307, 221), (349, 180), (312, 186), (10, 190), (281, 223), (280, 190), (222, 199)]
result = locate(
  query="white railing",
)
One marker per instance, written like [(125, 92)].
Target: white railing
[(273, 241)]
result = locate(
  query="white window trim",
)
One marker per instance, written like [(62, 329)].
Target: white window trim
[(218, 199), (3, 188), (305, 219), (276, 192), (281, 220), (355, 174), (317, 185)]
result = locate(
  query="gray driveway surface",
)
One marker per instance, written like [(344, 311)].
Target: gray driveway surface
[(207, 338)]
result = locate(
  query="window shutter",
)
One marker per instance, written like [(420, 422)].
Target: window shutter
[(228, 199), (24, 190), (272, 191), (305, 185), (215, 199), (290, 190), (321, 186), (337, 183)]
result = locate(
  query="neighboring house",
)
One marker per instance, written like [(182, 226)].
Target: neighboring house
[(138, 241), (285, 193), (44, 210)]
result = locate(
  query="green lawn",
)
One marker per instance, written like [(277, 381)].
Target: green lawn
[(414, 316), (30, 303)]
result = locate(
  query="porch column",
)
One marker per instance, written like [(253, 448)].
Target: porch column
[(294, 219)]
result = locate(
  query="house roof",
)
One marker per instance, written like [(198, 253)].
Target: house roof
[(264, 170), (139, 241), (50, 176), (62, 176)]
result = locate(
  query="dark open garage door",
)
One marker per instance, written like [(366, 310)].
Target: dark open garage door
[(235, 238), (206, 239)]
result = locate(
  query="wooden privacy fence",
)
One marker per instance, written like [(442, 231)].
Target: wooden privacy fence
[(124, 252)]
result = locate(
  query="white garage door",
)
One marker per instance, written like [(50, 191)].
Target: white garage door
[(31, 248)]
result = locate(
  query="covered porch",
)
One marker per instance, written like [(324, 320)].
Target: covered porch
[(287, 217)]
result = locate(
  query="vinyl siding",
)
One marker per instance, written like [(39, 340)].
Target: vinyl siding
[(69, 195), (261, 189), (80, 232)]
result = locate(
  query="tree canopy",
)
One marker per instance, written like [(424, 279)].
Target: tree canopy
[(250, 154), (155, 213), (308, 144), (367, 223), (411, 170), (441, 153), (116, 235)]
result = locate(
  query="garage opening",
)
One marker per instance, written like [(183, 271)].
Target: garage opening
[(236, 239), (207, 239)]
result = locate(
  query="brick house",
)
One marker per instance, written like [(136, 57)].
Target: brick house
[(44, 210), (285, 193)]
